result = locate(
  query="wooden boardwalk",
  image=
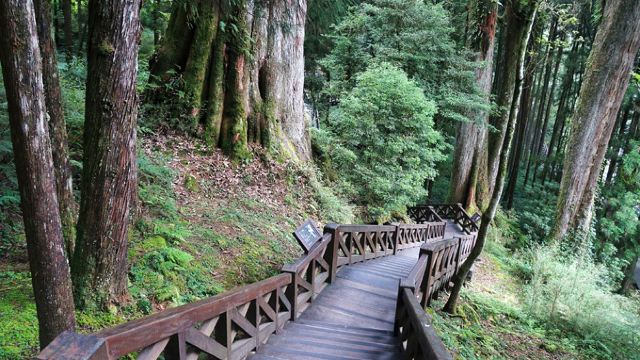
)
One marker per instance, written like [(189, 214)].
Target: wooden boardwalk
[(358, 292), (352, 318)]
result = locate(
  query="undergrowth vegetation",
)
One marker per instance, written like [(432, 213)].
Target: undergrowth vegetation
[(539, 302)]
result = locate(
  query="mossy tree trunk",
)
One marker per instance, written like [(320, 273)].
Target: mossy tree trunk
[(22, 74), (109, 181), (605, 83), (520, 17), (470, 137), (57, 126), (242, 69)]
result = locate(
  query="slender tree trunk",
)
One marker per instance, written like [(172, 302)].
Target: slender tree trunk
[(504, 93), (157, 30), (469, 136), (547, 111), (616, 144), (68, 30), (523, 119), (520, 17), (540, 128), (109, 174), (606, 79), (22, 67), (57, 126), (561, 113), (82, 27)]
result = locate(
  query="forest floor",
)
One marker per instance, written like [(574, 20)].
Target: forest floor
[(204, 225)]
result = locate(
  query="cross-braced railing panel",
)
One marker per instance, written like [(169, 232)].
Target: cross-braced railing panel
[(423, 214), (440, 267), (455, 212), (311, 274), (413, 327), (357, 243), (412, 235), (228, 326)]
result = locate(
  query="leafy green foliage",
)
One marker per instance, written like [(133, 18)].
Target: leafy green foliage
[(384, 145), (413, 35), (576, 294)]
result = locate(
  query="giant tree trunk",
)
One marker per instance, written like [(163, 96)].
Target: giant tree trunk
[(244, 81), (470, 137), (22, 67), (99, 266), (520, 17), (57, 126), (606, 79)]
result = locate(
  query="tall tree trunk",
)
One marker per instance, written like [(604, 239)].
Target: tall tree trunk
[(68, 30), (522, 120), (515, 33), (470, 136), (109, 180), (22, 67), (562, 111), (547, 111), (540, 124), (617, 143), (606, 79), (57, 126), (520, 17)]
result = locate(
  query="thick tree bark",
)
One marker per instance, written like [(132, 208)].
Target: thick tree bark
[(68, 30), (520, 17), (57, 126), (257, 98), (109, 173), (22, 67), (606, 79), (470, 136)]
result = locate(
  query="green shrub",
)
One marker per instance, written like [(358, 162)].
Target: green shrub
[(384, 145), (575, 294)]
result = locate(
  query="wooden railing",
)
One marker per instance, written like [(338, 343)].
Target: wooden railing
[(227, 326), (413, 327), (310, 274), (412, 235), (423, 213), (233, 324), (455, 212), (436, 265)]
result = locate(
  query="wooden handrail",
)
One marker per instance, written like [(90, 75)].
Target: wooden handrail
[(455, 212), (438, 262), (171, 329), (418, 338), (310, 275)]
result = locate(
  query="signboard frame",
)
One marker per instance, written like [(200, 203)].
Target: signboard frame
[(307, 235)]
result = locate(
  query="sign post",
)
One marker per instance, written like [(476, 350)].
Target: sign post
[(307, 235)]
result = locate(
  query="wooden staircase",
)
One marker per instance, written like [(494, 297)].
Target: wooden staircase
[(358, 293), (312, 339)]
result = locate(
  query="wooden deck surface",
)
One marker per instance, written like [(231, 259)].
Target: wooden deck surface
[(353, 317)]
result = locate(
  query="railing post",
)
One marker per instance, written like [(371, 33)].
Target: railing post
[(396, 239), (292, 291), (69, 345), (426, 279), (333, 250)]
